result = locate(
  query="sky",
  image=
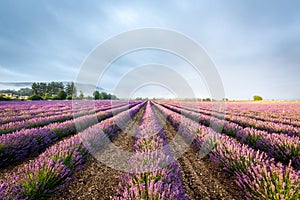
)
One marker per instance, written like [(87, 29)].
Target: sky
[(254, 45)]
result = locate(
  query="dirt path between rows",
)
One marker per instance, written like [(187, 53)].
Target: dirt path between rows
[(201, 178), (97, 180)]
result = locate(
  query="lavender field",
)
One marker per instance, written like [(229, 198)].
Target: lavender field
[(48, 149), (149, 100)]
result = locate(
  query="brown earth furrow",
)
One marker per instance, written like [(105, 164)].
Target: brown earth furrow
[(203, 181)]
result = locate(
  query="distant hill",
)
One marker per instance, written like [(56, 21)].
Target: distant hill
[(14, 85)]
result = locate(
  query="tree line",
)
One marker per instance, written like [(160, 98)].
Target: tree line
[(103, 95), (53, 91), (61, 91)]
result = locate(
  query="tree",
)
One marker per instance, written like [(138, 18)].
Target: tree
[(71, 90), (207, 99), (42, 89), (74, 90), (62, 95), (103, 95), (35, 97), (39, 88), (47, 96), (60, 86), (96, 95), (55, 97), (53, 88), (34, 87), (81, 96), (113, 97), (25, 91), (257, 98)]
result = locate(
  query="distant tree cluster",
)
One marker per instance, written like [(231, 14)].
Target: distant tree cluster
[(257, 98), (61, 91), (207, 99), (141, 98), (103, 95), (53, 91)]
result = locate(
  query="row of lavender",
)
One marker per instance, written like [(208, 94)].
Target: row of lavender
[(39, 107), (19, 145), (155, 174), (255, 172), (38, 121), (285, 115), (34, 107), (48, 108), (44, 111), (278, 112), (284, 111), (250, 122), (53, 169), (282, 147)]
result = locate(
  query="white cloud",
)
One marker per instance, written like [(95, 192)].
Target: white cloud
[(127, 17), (245, 40)]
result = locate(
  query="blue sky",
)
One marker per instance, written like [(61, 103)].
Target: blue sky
[(255, 45)]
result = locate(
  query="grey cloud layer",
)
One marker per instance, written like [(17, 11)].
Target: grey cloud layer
[(254, 44)]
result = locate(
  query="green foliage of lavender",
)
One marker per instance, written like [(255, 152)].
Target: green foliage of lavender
[(48, 173), (274, 181)]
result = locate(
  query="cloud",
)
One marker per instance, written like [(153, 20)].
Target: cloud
[(127, 17), (254, 45)]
